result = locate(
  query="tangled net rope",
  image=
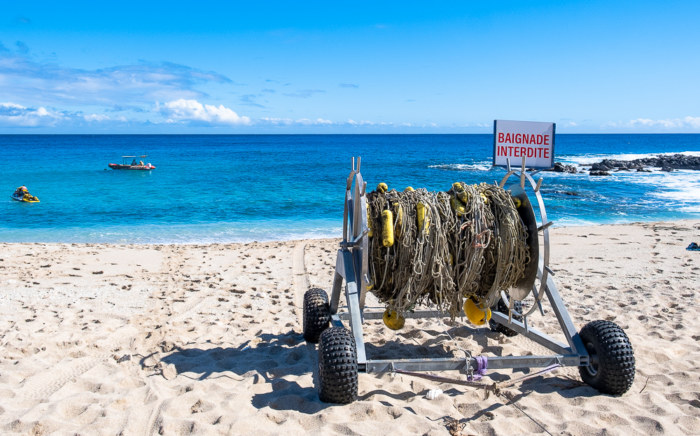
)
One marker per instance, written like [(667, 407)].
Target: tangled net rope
[(444, 247)]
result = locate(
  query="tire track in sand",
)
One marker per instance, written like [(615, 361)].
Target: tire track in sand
[(143, 331), (40, 386), (300, 279)]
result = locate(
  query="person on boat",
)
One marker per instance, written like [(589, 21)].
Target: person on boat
[(19, 192), (141, 162), (133, 162)]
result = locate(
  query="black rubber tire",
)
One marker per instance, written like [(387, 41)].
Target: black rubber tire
[(317, 314), (611, 368), (501, 307), (337, 366)]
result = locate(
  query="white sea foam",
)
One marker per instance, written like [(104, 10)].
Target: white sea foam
[(478, 166), (573, 222), (578, 161), (681, 187), (590, 159), (210, 233)]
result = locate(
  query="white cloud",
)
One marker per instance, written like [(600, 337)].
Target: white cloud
[(24, 79), (316, 122), (12, 114), (96, 117), (684, 123), (277, 121), (183, 110), (299, 122), (322, 122), (351, 122)]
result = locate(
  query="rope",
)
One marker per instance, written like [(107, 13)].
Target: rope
[(468, 242)]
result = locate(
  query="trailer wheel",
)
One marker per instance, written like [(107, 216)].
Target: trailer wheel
[(337, 366), (501, 307), (611, 367), (317, 314)]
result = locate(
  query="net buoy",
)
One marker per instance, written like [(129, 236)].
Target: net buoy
[(475, 313), (393, 320)]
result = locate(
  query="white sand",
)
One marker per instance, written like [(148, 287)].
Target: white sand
[(106, 339)]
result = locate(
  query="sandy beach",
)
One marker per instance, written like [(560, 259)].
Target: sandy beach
[(206, 339)]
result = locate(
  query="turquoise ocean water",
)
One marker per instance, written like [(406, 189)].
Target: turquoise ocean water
[(239, 188)]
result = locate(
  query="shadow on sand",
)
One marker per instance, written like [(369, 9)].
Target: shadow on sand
[(274, 360), (278, 360)]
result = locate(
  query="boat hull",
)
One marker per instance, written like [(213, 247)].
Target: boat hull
[(22, 200), (131, 167)]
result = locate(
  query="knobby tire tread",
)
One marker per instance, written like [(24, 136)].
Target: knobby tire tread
[(616, 363), (317, 314), (337, 366)]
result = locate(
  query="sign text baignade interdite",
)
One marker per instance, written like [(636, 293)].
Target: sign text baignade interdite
[(515, 140)]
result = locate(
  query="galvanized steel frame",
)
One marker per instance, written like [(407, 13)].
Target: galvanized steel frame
[(352, 268)]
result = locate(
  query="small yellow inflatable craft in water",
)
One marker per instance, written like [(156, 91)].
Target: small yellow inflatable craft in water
[(23, 195)]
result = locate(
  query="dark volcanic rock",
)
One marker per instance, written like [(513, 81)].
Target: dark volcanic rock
[(600, 166), (665, 162), (599, 173), (561, 168)]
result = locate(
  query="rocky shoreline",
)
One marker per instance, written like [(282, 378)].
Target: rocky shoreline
[(607, 166)]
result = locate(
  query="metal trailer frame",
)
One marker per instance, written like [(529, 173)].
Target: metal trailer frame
[(352, 267)]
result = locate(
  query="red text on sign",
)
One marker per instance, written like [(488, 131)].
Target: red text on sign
[(523, 138), (509, 150)]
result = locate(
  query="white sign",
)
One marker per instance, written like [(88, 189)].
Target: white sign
[(513, 140)]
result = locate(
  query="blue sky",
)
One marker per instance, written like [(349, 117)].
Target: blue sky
[(351, 67)]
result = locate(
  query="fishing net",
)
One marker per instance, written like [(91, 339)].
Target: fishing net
[(443, 247)]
